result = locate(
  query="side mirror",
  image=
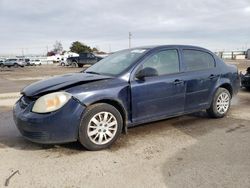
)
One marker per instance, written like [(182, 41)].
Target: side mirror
[(146, 72)]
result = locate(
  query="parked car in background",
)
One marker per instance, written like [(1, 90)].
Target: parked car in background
[(1, 63), (64, 62), (22, 61), (245, 79), (125, 89), (35, 62), (13, 62), (248, 54), (83, 59), (27, 61)]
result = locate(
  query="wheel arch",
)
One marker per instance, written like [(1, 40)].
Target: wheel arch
[(228, 87), (222, 83), (119, 106)]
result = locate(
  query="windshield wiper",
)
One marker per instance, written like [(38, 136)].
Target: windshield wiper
[(92, 72)]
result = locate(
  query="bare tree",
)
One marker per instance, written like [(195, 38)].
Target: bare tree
[(58, 48)]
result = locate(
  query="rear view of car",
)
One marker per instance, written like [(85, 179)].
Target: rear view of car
[(21, 62)]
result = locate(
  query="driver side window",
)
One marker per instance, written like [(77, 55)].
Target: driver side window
[(164, 62)]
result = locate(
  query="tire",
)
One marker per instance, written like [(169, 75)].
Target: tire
[(93, 125), (62, 64), (217, 110), (16, 65), (2, 65), (74, 64)]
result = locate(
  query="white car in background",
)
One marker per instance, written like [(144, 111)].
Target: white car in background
[(35, 62)]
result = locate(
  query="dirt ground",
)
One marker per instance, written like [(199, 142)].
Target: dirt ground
[(14, 79), (188, 151)]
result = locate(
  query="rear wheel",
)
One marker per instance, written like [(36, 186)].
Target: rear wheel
[(2, 65), (100, 126), (16, 65), (220, 104)]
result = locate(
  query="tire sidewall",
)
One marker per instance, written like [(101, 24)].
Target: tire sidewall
[(89, 113)]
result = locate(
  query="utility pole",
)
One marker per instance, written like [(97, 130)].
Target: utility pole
[(129, 39), (109, 48)]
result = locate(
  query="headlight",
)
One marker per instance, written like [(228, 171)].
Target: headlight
[(51, 102)]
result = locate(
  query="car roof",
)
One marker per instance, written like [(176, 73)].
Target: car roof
[(171, 46)]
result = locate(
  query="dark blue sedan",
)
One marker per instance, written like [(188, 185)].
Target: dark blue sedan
[(127, 88)]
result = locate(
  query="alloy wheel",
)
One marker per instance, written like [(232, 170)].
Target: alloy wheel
[(102, 128), (223, 102)]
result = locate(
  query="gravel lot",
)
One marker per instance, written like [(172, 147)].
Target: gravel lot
[(188, 151)]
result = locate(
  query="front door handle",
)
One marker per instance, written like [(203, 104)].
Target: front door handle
[(212, 76), (177, 82)]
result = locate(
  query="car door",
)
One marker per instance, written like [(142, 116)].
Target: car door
[(9, 62), (161, 95), (201, 77), (91, 59), (83, 58)]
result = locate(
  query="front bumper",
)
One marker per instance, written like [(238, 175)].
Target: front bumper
[(60, 126)]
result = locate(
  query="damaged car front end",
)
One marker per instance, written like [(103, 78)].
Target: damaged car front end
[(50, 111)]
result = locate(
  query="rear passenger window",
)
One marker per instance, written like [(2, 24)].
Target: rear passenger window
[(198, 60)]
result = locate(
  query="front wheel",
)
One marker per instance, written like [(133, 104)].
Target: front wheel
[(220, 104), (100, 126), (74, 64)]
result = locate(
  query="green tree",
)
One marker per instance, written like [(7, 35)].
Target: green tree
[(95, 49), (79, 47)]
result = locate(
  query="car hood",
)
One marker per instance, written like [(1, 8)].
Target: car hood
[(60, 82)]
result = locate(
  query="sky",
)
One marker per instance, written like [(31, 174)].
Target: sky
[(32, 26)]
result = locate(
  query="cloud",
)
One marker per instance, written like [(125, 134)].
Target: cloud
[(35, 24)]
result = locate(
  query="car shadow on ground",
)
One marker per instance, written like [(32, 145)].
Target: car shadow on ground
[(196, 124)]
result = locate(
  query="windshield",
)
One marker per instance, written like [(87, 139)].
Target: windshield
[(116, 63)]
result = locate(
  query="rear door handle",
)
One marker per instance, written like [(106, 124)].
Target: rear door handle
[(176, 82)]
